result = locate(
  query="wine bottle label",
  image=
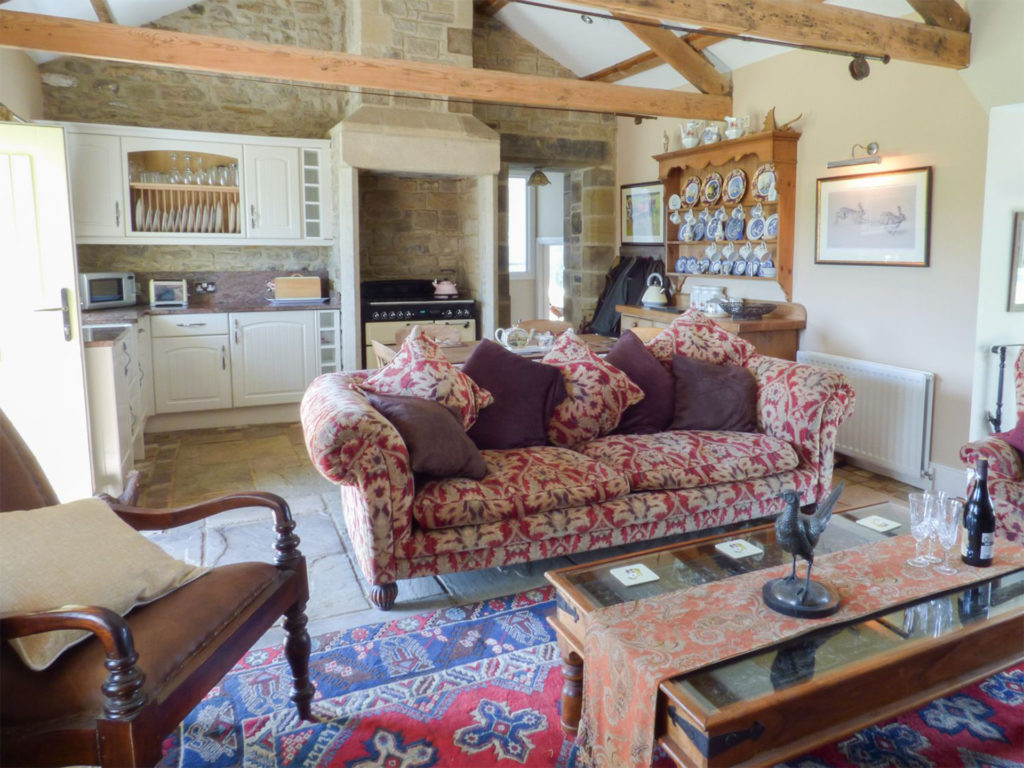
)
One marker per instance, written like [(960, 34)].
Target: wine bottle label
[(987, 545)]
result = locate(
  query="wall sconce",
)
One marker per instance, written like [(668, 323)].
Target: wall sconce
[(872, 156), (537, 179)]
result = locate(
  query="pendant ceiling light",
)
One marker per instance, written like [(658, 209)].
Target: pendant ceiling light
[(537, 179)]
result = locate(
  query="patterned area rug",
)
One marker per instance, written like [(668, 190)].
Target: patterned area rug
[(478, 685)]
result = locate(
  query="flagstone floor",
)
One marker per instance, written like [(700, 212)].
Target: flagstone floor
[(184, 467)]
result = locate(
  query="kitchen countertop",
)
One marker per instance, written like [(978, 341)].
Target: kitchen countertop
[(115, 319)]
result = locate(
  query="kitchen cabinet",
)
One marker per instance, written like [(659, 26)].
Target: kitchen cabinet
[(143, 337), (94, 165), (272, 191), (116, 419), (273, 356), (191, 364), (147, 185), (328, 335), (752, 158)]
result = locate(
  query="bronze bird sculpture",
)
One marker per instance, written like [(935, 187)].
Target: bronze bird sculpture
[(798, 534)]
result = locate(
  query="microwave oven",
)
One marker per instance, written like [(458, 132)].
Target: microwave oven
[(98, 290)]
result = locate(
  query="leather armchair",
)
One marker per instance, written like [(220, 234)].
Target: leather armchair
[(112, 699)]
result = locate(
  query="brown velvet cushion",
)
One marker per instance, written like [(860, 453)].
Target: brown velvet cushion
[(654, 413), (437, 443), (525, 395), (710, 396)]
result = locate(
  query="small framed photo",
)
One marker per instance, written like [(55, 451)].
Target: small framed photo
[(1017, 265), (642, 213), (881, 219)]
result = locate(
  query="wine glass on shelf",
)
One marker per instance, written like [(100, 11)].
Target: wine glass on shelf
[(201, 174), (948, 512), (921, 514), (174, 175), (187, 176)]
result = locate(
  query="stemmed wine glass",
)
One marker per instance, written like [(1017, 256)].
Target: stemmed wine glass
[(187, 176), (948, 511), (921, 515)]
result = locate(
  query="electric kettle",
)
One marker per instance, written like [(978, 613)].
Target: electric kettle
[(654, 296)]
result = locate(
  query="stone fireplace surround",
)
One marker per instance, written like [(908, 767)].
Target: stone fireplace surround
[(415, 143)]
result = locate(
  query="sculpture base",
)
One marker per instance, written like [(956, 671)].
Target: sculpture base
[(782, 595)]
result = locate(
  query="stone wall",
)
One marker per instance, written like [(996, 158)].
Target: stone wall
[(93, 91), (447, 31), (417, 227), (144, 260)]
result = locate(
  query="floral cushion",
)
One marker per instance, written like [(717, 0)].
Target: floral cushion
[(597, 392), (691, 459), (695, 335), (519, 482), (420, 369)]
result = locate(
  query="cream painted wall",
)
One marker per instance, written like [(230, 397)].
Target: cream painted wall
[(1004, 194), (916, 318), (21, 88)]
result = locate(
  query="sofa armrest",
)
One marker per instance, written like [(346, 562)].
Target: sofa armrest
[(803, 405), (1004, 462), (352, 445)]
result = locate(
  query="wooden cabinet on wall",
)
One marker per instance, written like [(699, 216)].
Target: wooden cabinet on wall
[(749, 154), (155, 186)]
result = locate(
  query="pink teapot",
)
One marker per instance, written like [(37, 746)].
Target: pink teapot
[(445, 289)]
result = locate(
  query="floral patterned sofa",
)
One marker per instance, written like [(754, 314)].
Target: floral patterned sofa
[(545, 501), (1005, 466)]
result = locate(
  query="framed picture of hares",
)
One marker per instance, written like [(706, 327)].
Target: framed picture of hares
[(1017, 265), (642, 213), (875, 218)]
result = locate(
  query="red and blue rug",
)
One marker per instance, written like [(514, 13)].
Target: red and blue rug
[(479, 684)]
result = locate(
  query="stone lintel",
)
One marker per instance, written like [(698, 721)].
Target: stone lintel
[(390, 140)]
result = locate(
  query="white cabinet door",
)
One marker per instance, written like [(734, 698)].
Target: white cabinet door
[(273, 356), (97, 191), (272, 192), (191, 373)]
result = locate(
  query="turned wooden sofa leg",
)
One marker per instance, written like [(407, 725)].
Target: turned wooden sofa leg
[(383, 595)]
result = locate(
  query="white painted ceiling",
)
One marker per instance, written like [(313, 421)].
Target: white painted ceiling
[(561, 34)]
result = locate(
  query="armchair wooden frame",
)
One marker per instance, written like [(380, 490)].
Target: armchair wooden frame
[(131, 725)]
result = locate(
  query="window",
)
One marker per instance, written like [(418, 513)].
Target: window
[(521, 225)]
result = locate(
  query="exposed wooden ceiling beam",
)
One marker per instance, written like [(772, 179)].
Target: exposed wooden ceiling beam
[(649, 59), (797, 21), (948, 14), (489, 7), (220, 55), (691, 64), (103, 12), (634, 65)]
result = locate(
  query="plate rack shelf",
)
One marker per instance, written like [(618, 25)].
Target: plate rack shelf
[(748, 153)]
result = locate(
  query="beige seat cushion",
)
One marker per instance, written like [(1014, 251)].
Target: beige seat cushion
[(519, 482), (692, 458), (74, 554)]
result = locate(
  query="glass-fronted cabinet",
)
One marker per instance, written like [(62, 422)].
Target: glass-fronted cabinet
[(184, 188)]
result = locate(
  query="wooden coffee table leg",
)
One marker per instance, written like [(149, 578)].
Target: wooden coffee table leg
[(572, 691)]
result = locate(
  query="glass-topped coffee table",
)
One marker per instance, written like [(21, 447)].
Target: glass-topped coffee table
[(783, 701)]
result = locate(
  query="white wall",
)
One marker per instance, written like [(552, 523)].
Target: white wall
[(21, 89), (1004, 194), (921, 116)]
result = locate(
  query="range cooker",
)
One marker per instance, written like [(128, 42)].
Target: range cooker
[(387, 306)]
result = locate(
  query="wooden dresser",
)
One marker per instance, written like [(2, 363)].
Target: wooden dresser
[(776, 335)]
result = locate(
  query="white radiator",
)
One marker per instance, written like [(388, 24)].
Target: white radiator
[(890, 430)]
